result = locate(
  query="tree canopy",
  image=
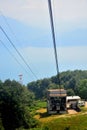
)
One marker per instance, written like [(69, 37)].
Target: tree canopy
[(82, 89), (69, 80), (15, 101)]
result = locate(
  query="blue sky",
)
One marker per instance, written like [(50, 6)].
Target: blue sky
[(31, 33)]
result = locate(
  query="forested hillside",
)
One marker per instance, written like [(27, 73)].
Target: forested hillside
[(75, 82)]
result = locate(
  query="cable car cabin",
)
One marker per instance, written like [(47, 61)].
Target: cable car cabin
[(56, 101)]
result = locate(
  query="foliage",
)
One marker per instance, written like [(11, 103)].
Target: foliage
[(15, 100), (40, 104), (1, 125), (70, 92), (83, 88), (69, 80)]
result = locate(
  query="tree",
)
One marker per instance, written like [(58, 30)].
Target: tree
[(68, 80), (70, 92), (83, 89), (14, 103)]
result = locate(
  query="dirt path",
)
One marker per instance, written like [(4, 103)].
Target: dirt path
[(43, 117), (71, 111), (86, 104), (42, 110)]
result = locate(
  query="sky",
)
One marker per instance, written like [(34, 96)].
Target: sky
[(27, 24)]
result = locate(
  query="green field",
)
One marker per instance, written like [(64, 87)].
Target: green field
[(62, 122), (75, 122), (58, 122)]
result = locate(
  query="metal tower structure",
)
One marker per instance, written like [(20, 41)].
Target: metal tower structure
[(20, 79)]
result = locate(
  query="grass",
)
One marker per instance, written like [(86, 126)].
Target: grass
[(76, 122), (62, 122), (41, 104), (59, 122), (83, 109)]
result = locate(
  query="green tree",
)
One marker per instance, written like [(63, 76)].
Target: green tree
[(14, 103), (83, 89), (68, 80), (70, 92)]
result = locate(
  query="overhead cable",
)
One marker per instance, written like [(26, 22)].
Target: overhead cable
[(13, 56), (11, 30), (53, 37), (18, 52)]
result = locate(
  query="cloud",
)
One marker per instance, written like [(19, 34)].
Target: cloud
[(69, 57), (67, 13), (71, 10), (30, 12)]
